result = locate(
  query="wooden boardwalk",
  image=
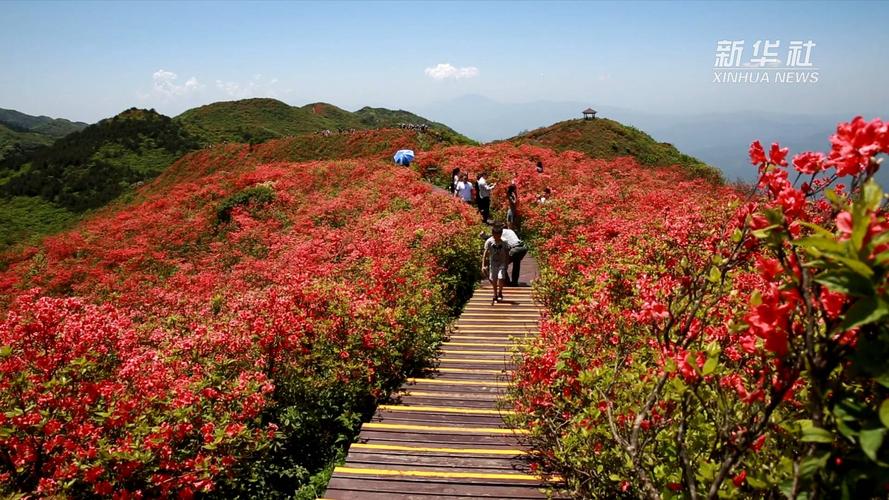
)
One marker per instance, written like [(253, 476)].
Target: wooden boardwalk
[(445, 437)]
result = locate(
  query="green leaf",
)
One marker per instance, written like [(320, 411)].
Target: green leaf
[(871, 195), (846, 282), (755, 298), (860, 222), (855, 265), (871, 440), (829, 244), (764, 232), (5, 350), (715, 275), (812, 434), (757, 483), (812, 465), (884, 412), (838, 202), (818, 230), (864, 311), (882, 257), (737, 235), (710, 366)]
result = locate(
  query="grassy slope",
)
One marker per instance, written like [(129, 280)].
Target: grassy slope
[(604, 138), (257, 120), (25, 218)]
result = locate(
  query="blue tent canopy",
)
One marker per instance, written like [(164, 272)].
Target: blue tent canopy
[(403, 157)]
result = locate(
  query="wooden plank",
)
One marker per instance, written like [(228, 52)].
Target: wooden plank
[(437, 438), (437, 409), (442, 450), (443, 419), (434, 462), (449, 488), (448, 429), (444, 435)]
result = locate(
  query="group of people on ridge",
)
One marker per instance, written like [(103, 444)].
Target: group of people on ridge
[(503, 248)]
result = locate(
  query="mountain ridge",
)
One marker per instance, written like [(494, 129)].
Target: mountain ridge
[(21, 133), (259, 119), (603, 138)]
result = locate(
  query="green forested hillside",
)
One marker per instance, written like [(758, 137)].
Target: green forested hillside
[(87, 169), (257, 120), (20, 134)]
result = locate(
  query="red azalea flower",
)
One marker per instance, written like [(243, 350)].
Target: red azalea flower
[(757, 153), (778, 155), (855, 143), (809, 162)]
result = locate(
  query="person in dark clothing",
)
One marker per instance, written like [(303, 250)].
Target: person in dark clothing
[(512, 213), (455, 178), (484, 196)]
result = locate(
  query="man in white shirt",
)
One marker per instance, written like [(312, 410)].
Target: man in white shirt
[(464, 189), (484, 196)]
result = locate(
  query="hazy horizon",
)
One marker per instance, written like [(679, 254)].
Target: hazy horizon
[(88, 60)]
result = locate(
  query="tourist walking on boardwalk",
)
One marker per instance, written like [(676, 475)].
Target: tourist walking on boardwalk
[(484, 196), (512, 200), (494, 261), (517, 252), (464, 189)]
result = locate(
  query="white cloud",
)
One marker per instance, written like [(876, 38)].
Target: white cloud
[(165, 84), (256, 87), (442, 71)]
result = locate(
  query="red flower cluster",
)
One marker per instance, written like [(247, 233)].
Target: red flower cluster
[(147, 351)]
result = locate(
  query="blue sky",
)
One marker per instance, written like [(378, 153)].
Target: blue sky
[(86, 61)]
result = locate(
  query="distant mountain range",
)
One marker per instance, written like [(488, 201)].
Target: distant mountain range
[(23, 133), (53, 170), (719, 139)]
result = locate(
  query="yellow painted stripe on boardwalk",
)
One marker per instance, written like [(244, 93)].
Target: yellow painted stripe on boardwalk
[(519, 308), (495, 321), (445, 395), (446, 409), (480, 361), (469, 370), (480, 337), (492, 334), (457, 382), (495, 327), (448, 475), (480, 344), (490, 313), (425, 449), (479, 353), (443, 428)]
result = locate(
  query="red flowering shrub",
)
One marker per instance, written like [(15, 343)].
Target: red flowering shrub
[(700, 344), (225, 334)]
